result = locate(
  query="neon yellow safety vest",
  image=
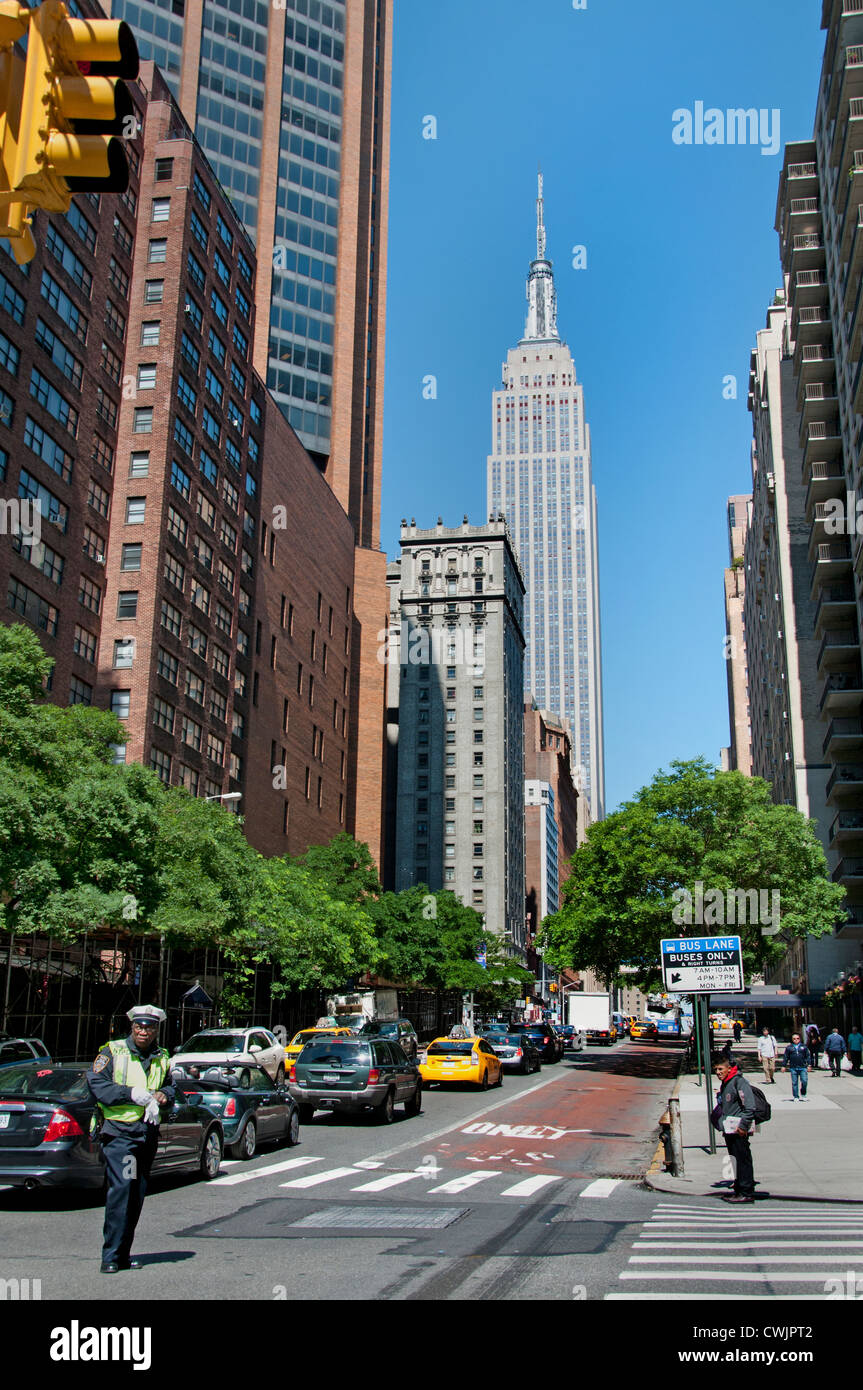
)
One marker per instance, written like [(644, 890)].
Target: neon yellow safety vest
[(128, 1071)]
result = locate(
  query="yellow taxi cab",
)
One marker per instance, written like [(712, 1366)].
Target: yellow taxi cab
[(305, 1035), (722, 1025), (462, 1059), (643, 1028)]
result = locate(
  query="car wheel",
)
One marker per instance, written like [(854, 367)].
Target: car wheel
[(211, 1155), (484, 1082), (248, 1141), (294, 1128), (305, 1112), (386, 1112), (499, 1081), (414, 1105), (280, 1074)]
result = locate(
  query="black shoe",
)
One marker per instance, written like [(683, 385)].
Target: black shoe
[(111, 1268), (130, 1264), (738, 1198)]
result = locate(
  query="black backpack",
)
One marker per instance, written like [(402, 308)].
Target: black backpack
[(762, 1106)]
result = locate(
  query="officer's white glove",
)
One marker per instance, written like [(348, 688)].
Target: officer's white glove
[(151, 1114), (140, 1095)]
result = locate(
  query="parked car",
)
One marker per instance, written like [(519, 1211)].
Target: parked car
[(14, 1051), (621, 1023), (45, 1138), (252, 1109), (544, 1037), (400, 1031), (355, 1074), (307, 1035), (516, 1052), (462, 1059), (574, 1039), (256, 1046)]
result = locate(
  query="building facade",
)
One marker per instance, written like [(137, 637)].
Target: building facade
[(540, 477), (455, 655), (738, 754)]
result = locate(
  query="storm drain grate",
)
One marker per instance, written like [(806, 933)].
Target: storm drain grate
[(380, 1218)]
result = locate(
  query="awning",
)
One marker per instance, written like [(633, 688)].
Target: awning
[(765, 1001)]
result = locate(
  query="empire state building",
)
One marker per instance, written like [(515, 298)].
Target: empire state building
[(539, 476)]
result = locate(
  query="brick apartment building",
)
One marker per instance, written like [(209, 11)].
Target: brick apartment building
[(552, 823)]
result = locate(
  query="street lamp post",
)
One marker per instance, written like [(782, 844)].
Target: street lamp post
[(225, 796)]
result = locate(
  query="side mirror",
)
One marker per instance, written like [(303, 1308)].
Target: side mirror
[(256, 1047)]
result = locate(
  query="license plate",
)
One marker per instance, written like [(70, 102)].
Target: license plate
[(449, 1064), (330, 1076), (4, 1119)]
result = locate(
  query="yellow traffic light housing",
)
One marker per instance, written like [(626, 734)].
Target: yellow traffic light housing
[(64, 111)]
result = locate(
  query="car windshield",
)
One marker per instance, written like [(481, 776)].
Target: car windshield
[(206, 1078), (45, 1083), (449, 1047), (337, 1053), (215, 1042), (307, 1035), (388, 1030), (515, 1038)]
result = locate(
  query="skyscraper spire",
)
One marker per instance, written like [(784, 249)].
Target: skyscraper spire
[(541, 324)]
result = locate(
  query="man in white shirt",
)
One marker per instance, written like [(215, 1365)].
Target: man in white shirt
[(767, 1050)]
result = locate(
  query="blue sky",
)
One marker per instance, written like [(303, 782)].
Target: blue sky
[(682, 262)]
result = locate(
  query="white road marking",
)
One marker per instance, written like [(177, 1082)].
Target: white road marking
[(730, 1259), (312, 1179), (765, 1276), (368, 1163), (669, 1296), (463, 1183), (601, 1187), (264, 1172), (530, 1185), (389, 1180)]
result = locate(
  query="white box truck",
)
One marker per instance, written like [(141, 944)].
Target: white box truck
[(363, 1006), (591, 1014)]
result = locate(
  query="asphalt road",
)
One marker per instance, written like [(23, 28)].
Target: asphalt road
[(532, 1189)]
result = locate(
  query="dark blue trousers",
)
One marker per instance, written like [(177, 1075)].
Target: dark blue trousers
[(128, 1162)]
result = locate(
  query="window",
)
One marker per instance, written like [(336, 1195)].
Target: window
[(199, 231), (196, 271), (218, 705), (149, 332), (98, 497), (201, 192), (241, 343), (84, 644), (214, 386), (224, 231), (157, 251), (183, 436), (195, 688), (146, 376), (244, 267), (127, 603), (51, 400), (201, 596), (217, 347), (56, 297), (124, 653), (130, 558), (139, 464), (238, 725), (171, 618), (164, 170), (190, 352), (222, 663), (190, 778), (477, 714), (228, 536), (219, 307), (175, 571), (242, 302), (42, 557), (29, 605), (161, 764), (178, 526), (13, 302), (212, 428), (191, 732), (206, 510), (197, 640), (153, 291), (142, 422), (224, 622), (226, 576), (477, 735), (222, 269), (50, 506), (233, 454), (194, 312), (80, 693), (48, 341), (203, 553), (477, 692), (187, 395), (161, 210), (106, 408), (136, 508), (74, 268), (121, 701), (477, 873), (231, 495), (478, 779), (181, 480), (102, 453), (167, 666), (215, 749)]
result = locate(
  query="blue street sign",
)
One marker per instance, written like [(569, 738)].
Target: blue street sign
[(702, 964)]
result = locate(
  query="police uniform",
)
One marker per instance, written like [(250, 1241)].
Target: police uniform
[(129, 1131)]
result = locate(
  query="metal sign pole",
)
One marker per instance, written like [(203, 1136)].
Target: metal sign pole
[(696, 1024), (704, 1006)]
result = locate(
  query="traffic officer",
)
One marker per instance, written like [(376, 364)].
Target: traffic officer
[(128, 1082)]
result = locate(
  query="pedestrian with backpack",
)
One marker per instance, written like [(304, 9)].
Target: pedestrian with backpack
[(735, 1115), (814, 1042)]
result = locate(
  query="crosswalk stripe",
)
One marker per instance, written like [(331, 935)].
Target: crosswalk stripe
[(312, 1179), (463, 1183), (264, 1172), (600, 1187), (736, 1243), (773, 1276), (670, 1295), (389, 1180), (530, 1185), (731, 1259)]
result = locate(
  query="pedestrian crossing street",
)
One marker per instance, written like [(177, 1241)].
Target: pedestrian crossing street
[(428, 1179), (797, 1250)]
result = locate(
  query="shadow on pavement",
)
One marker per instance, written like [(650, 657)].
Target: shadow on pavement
[(632, 1060)]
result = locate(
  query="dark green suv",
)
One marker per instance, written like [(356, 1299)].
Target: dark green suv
[(355, 1074)]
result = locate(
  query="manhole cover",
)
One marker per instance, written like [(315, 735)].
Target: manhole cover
[(380, 1218)]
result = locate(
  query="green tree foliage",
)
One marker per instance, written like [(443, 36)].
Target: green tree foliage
[(692, 824), (345, 867)]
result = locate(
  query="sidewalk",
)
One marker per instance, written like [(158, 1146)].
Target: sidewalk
[(809, 1150)]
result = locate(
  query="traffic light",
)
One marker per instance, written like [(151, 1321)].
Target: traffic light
[(65, 111)]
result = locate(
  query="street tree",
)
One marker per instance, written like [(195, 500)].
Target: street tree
[(691, 826)]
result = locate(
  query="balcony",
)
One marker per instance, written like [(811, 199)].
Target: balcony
[(832, 561), (837, 601), (821, 440), (825, 480), (811, 324), (827, 525), (845, 779), (848, 81), (807, 251), (839, 645), (848, 825), (810, 287), (818, 405), (844, 735), (813, 362), (855, 263), (852, 930), (842, 693), (848, 869)]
